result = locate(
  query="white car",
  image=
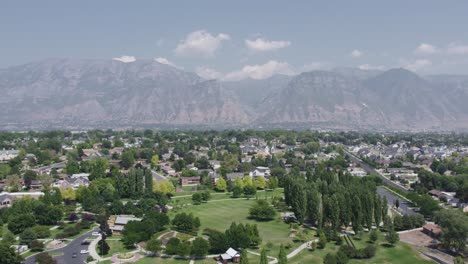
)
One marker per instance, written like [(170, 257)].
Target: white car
[(95, 234), (84, 251)]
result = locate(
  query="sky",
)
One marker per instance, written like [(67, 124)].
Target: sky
[(233, 40)]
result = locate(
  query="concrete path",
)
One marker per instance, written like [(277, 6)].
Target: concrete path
[(92, 249), (296, 251)]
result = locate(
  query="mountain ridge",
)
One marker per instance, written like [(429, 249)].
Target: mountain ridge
[(75, 93)]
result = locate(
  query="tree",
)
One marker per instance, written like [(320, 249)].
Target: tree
[(197, 198), (454, 225), (154, 161), (299, 201), (244, 259), (262, 211), (45, 258), (28, 177), (200, 247), (392, 236), (127, 159), (221, 185), (72, 167), (37, 245), (263, 257), (46, 181), (260, 183), (322, 240), (8, 237), (313, 212), (19, 223), (373, 235), (250, 190), (236, 191), (27, 236), (154, 245), (103, 247), (68, 194), (172, 246), (282, 257), (330, 258), (165, 187), (186, 222), (14, 183), (183, 249)]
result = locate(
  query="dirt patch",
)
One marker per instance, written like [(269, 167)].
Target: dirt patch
[(417, 238)]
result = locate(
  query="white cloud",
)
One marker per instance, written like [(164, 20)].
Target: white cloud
[(261, 71), (164, 61), (208, 73), (425, 48), (368, 67), (261, 44), (200, 43), (457, 48), (356, 54), (418, 65), (257, 71), (125, 59)]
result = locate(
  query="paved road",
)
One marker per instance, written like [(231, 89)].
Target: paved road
[(73, 247), (391, 198), (369, 169)]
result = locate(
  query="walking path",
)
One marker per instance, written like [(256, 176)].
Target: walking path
[(92, 249), (296, 251)]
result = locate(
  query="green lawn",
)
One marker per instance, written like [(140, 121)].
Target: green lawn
[(219, 214), (116, 246), (400, 253), (149, 260)]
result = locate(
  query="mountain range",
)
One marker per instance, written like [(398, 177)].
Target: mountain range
[(83, 94)]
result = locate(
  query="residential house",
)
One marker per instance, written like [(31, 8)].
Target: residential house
[(231, 256), (6, 155), (432, 230), (260, 172), (121, 221), (188, 181), (5, 200)]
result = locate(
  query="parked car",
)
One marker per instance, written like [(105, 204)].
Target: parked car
[(95, 234), (85, 242), (83, 251)]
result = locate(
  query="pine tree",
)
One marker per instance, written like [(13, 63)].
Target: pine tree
[(263, 257), (299, 202), (282, 258), (377, 210), (244, 259), (314, 214)]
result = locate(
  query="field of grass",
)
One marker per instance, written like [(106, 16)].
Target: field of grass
[(400, 253), (149, 260), (219, 214), (116, 246)]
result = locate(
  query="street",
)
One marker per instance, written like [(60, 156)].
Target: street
[(73, 247), (369, 169), (391, 198)]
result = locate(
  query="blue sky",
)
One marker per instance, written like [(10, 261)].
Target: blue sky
[(238, 39)]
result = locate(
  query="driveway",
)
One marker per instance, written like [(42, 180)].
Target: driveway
[(391, 198), (73, 247)]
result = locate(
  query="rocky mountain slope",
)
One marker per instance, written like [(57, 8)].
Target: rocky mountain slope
[(77, 94)]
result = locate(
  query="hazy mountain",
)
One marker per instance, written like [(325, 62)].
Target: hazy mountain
[(253, 92), (64, 93)]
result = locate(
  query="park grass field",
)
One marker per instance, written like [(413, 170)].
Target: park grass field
[(400, 253), (219, 214), (116, 246)]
